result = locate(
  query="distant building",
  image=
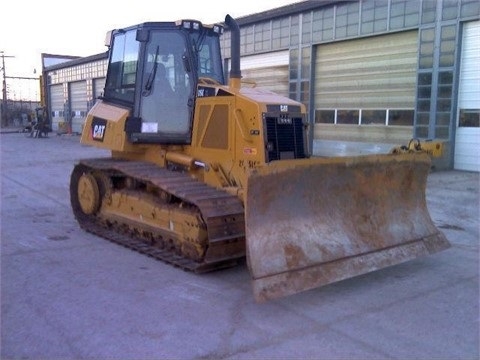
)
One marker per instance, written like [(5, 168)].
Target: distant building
[(368, 71), (71, 89)]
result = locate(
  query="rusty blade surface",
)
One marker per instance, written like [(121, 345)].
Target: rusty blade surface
[(314, 222)]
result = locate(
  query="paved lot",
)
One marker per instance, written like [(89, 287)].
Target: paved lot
[(66, 294)]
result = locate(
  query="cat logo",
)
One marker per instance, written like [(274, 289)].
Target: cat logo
[(98, 129)]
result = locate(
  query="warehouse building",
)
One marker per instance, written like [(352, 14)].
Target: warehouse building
[(72, 85), (369, 71)]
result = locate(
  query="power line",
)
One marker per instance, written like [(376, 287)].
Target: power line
[(4, 89)]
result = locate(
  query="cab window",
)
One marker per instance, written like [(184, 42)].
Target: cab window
[(121, 76)]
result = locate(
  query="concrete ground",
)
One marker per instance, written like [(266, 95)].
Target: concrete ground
[(66, 294)]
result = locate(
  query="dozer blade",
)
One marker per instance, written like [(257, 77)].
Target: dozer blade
[(316, 221)]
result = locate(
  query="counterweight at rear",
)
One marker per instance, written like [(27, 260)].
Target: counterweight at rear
[(204, 173)]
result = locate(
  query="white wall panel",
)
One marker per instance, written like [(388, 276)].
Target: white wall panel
[(467, 138)]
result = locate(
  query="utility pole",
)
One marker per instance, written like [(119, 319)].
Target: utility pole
[(4, 89)]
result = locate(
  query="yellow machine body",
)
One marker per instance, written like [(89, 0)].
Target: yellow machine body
[(301, 222), (227, 136)]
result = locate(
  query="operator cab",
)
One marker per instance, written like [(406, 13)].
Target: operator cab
[(154, 70)]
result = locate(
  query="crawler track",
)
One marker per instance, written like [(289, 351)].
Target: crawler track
[(221, 214)]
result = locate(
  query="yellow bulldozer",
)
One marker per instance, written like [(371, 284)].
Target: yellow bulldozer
[(204, 172)]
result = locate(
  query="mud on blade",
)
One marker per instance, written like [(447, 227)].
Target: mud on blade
[(310, 223)]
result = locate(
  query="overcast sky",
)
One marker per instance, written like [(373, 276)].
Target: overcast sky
[(31, 27)]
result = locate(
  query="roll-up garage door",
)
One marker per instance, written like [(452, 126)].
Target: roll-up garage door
[(467, 139), (79, 105), (368, 81), (98, 90), (57, 101), (269, 71), (98, 86)]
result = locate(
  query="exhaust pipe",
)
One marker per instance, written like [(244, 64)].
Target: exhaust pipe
[(235, 73)]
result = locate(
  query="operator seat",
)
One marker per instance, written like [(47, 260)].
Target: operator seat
[(161, 84)]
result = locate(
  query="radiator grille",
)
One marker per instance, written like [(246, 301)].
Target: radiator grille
[(285, 137)]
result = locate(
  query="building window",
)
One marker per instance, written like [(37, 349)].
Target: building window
[(450, 9), (225, 40), (429, 9), (294, 64), (248, 39), (469, 8), (325, 116), (346, 21), (280, 33), (262, 37), (444, 104), (350, 117), (390, 117), (400, 117), (423, 119), (421, 132), (374, 16), (322, 25), (469, 118), (306, 28), (305, 93), (445, 81), (427, 37), (305, 62), (294, 30), (404, 13), (424, 93), (373, 117), (292, 90), (447, 46)]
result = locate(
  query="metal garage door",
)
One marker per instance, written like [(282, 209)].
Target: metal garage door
[(57, 101), (78, 104), (98, 90), (368, 81), (98, 86), (269, 71), (467, 139)]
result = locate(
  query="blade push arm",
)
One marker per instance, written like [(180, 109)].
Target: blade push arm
[(432, 148)]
